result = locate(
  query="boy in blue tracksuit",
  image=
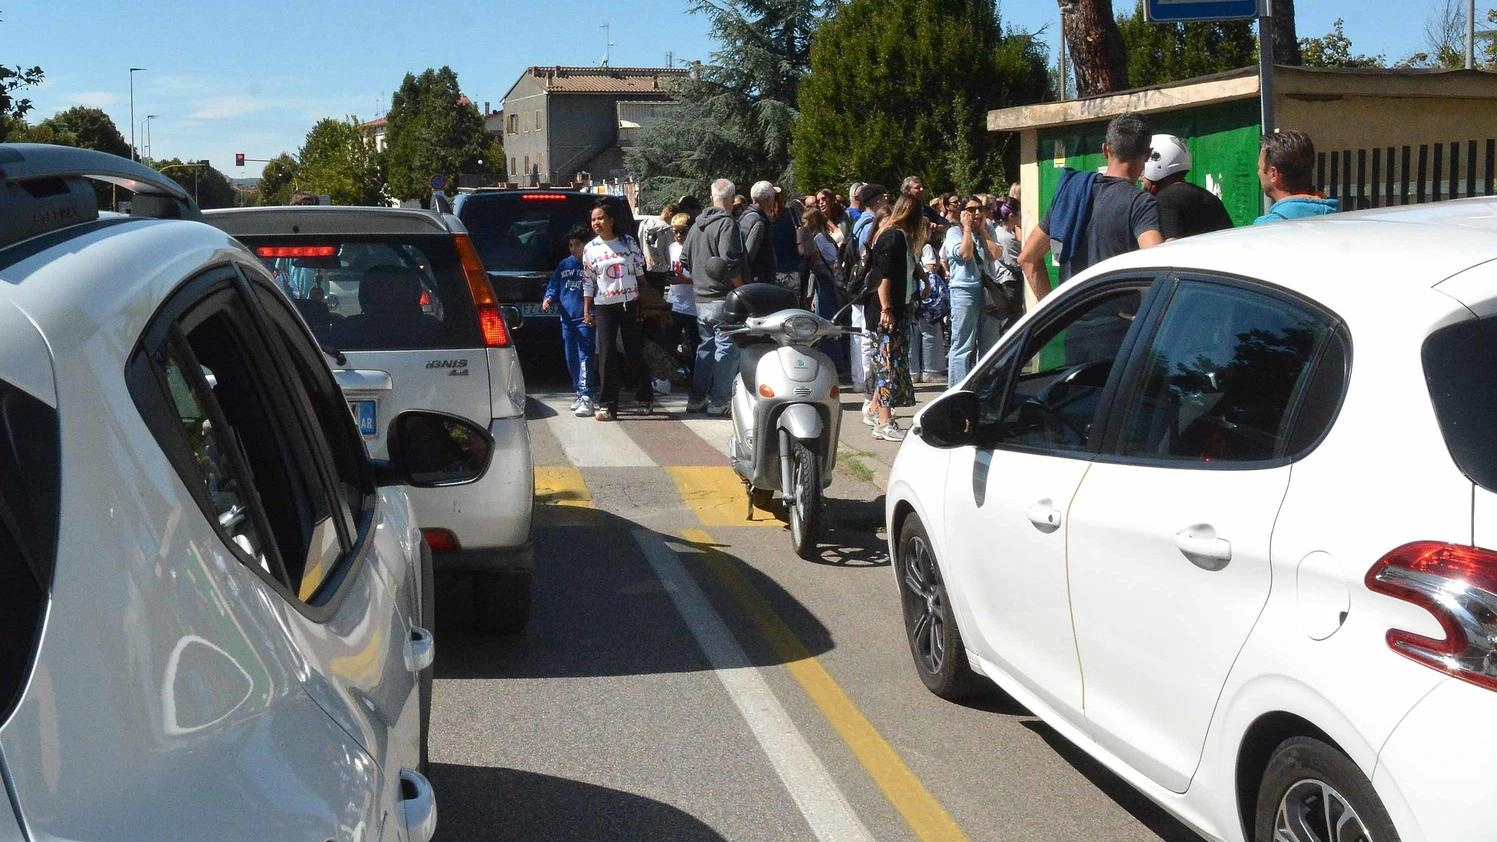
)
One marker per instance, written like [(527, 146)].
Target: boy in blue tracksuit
[(565, 292)]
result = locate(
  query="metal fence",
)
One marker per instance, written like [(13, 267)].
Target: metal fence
[(1405, 175)]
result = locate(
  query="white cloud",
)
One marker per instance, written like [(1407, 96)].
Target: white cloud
[(230, 106), (93, 99)]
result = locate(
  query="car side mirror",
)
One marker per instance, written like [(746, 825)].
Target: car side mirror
[(433, 449), (950, 420), (513, 318)]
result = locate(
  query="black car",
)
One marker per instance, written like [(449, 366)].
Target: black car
[(521, 234)]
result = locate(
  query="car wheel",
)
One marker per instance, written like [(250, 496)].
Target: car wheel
[(930, 626), (1313, 793), (428, 621), (501, 601)]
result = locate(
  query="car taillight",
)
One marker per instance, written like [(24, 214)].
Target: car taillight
[(1458, 585), (490, 320), (441, 540), (543, 197), (296, 251)]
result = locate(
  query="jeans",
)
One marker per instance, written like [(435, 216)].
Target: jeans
[(826, 307), (717, 358), (973, 331), (927, 346), (577, 347), (612, 322)]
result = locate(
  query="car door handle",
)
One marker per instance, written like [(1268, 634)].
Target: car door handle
[(1044, 516), (418, 805), (1201, 545), (421, 651)]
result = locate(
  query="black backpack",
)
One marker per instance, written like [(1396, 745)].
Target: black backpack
[(851, 277)]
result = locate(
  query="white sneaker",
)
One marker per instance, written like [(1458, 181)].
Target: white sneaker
[(717, 410), (889, 431), (870, 415), (576, 402), (583, 407)]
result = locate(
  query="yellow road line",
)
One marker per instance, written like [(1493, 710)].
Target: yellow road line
[(924, 814), (561, 486), (717, 496)]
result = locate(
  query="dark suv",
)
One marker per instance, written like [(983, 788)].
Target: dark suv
[(521, 235)]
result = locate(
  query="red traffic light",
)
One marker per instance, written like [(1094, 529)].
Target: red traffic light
[(238, 159)]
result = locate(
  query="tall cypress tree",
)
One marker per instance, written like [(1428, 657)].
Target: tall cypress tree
[(734, 115), (902, 87)]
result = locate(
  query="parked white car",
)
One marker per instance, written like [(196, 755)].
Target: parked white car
[(400, 296), (213, 604), (1222, 513)]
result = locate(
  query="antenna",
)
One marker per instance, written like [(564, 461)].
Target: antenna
[(607, 43), (670, 59)]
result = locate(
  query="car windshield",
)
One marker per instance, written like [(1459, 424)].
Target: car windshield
[(528, 233), (1460, 367), (367, 293)]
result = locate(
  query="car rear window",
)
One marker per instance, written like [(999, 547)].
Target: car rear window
[(522, 232), (1460, 368), (29, 506), (375, 292)]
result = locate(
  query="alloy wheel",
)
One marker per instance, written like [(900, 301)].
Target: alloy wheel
[(1313, 811), (924, 605)]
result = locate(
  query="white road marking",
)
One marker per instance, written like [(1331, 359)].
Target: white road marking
[(714, 431), (824, 806), (589, 443)]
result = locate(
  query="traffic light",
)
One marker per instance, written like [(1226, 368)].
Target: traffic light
[(238, 159)]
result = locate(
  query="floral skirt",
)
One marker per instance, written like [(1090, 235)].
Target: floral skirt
[(890, 366)]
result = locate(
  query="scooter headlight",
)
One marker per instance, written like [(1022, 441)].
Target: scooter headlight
[(800, 328)]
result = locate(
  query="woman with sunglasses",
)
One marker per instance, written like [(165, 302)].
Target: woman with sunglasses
[(967, 253)]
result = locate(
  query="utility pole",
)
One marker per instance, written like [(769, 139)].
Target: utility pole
[(133, 71)]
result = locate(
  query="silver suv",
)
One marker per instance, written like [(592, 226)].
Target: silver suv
[(213, 604), (399, 298)]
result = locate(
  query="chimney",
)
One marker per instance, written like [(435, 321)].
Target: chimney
[(486, 111), (696, 69)]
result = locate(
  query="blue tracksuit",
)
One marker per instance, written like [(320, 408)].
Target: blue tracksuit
[(565, 291)]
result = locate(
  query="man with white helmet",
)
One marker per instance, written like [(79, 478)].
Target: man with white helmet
[(1184, 208)]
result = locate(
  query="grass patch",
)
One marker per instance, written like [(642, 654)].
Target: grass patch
[(852, 462)]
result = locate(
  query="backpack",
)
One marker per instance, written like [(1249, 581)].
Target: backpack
[(853, 266)]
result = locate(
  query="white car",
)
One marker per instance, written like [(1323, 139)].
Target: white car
[(1222, 513), (401, 299), (213, 604)]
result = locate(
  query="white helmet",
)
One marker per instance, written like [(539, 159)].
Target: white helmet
[(1167, 157)]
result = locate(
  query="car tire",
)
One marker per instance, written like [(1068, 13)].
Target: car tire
[(1312, 792), (929, 623), (501, 601), (428, 621)]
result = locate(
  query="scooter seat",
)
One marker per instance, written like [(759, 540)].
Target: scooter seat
[(748, 363), (757, 300)]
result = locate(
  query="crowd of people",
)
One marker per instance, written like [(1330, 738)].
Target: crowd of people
[(932, 279)]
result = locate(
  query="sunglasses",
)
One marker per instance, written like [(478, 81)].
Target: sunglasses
[(977, 209)]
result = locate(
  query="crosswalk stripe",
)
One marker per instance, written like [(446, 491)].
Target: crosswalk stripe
[(717, 497), (714, 431), (593, 444)]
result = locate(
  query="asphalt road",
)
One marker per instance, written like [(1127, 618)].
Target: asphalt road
[(686, 677)]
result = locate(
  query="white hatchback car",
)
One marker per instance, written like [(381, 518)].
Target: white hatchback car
[(213, 604), (400, 297), (1224, 514)]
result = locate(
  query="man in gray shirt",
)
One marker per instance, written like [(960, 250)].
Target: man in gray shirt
[(713, 254)]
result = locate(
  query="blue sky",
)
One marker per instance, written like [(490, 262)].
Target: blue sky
[(253, 77)]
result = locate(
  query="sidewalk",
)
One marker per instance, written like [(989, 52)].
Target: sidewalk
[(862, 457)]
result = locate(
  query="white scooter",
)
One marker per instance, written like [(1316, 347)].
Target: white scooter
[(786, 409)]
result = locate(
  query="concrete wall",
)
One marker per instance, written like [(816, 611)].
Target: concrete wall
[(582, 126)]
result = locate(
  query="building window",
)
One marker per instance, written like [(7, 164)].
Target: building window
[(512, 168), (514, 124), (537, 119)]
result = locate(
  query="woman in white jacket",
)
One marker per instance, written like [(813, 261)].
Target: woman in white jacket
[(612, 266)]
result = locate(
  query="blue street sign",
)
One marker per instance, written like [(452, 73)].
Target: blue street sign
[(438, 182), (1175, 11)]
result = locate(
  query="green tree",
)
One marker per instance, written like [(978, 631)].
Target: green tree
[(277, 181), (433, 130), (13, 110), (902, 87), (89, 128), (1333, 49), (1168, 52), (211, 187), (339, 161)]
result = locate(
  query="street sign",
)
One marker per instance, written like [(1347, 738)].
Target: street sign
[(1177, 11), (439, 182)]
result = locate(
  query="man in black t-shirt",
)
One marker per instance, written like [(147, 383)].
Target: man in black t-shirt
[(1095, 217), (1184, 208)]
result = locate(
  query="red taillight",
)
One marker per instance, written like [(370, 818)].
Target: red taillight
[(296, 251), (441, 540), (543, 197), (490, 320), (1456, 584), (425, 298)]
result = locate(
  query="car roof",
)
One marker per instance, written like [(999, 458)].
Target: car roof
[(329, 220), (1347, 261)]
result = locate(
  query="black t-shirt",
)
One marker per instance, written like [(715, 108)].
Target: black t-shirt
[(1185, 209), (1120, 214)]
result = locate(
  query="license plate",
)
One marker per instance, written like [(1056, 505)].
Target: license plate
[(531, 309), (364, 413)]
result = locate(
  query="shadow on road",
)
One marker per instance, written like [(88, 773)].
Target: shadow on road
[(481, 804), (599, 609)]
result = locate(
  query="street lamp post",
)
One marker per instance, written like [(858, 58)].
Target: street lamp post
[(132, 111), (147, 123)]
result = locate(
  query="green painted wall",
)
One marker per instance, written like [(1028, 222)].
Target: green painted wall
[(1223, 141)]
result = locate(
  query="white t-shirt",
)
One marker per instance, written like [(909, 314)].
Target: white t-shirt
[(611, 270), (682, 298)]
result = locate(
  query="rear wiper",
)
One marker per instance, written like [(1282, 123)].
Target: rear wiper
[(334, 353)]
